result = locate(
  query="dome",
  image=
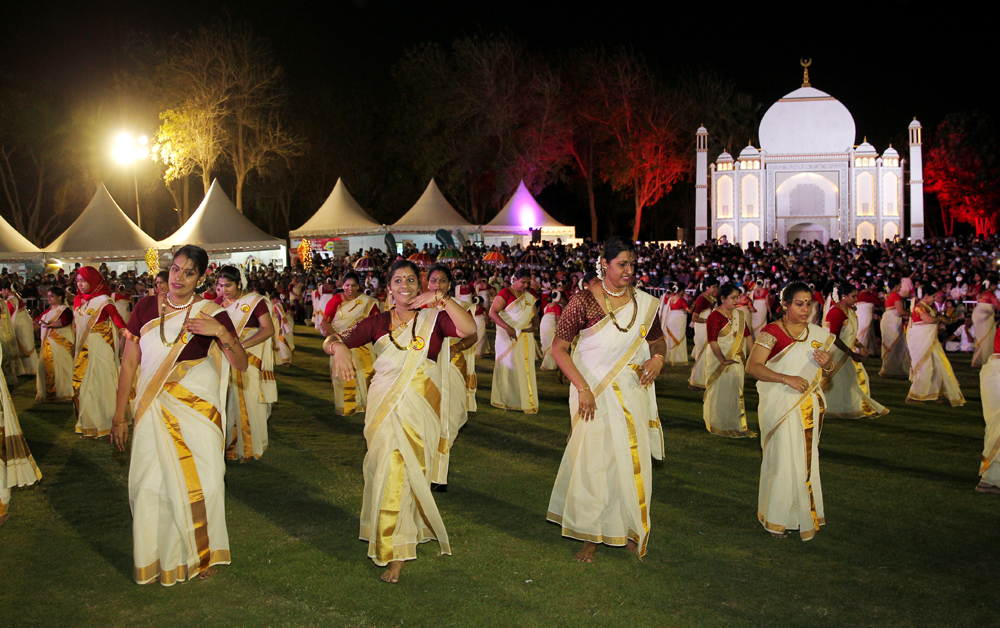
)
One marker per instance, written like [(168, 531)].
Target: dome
[(702, 131), (914, 124), (750, 153), (724, 158), (890, 152), (807, 121), (865, 149)]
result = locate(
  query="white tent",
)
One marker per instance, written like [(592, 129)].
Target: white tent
[(217, 226), (14, 247), (430, 213), (520, 215), (102, 232), (339, 215)]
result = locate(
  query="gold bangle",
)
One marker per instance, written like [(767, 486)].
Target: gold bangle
[(580, 390)]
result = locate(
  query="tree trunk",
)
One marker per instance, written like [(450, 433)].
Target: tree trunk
[(239, 190), (239, 165), (638, 212), (187, 197), (593, 209), (206, 179)]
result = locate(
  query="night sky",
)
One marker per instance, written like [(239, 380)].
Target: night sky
[(885, 61)]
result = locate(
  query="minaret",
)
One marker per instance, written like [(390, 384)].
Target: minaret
[(701, 188), (916, 184)]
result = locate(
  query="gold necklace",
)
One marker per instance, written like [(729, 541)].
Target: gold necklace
[(611, 311), (402, 326), (163, 318), (789, 333)]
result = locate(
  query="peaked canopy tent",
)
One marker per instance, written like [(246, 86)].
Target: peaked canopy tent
[(431, 212), (228, 236), (14, 247), (103, 233), (519, 216), (338, 217)]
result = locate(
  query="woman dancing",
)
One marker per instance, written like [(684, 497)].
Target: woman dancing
[(699, 313), (54, 381), (17, 466), (516, 316), (253, 390), (343, 311), (603, 491), (547, 330), (984, 321), (847, 388), (402, 421), (932, 378), (95, 370), (185, 346), (727, 330), (24, 330), (895, 356), (788, 360), (674, 316), (989, 388)]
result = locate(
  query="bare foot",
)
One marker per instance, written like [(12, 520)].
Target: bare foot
[(908, 400), (3, 519), (780, 535), (208, 573), (586, 555), (632, 546), (982, 487), (391, 574)]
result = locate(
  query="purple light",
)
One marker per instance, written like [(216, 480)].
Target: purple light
[(527, 215)]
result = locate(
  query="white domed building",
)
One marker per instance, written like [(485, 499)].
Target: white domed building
[(807, 180)]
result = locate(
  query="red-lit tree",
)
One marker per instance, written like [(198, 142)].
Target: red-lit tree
[(963, 170)]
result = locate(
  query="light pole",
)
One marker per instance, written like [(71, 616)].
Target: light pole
[(128, 150)]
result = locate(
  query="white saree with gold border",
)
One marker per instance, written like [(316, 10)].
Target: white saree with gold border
[(847, 388), (8, 343), (758, 318), (284, 329), (403, 431), (547, 333), (603, 490), (675, 324), (515, 386), (453, 407), (790, 496), (350, 397), (251, 394), (989, 388), (481, 344), (17, 466), (931, 377), (724, 412), (24, 336), (866, 314), (699, 376), (985, 324), (54, 381), (95, 369), (175, 484), (895, 356)]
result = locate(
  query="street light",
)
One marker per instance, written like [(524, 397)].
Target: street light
[(128, 150)]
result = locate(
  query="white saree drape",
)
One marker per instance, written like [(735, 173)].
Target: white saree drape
[(8, 343), (284, 329), (453, 407), (699, 377), (248, 404), (95, 369), (403, 431), (17, 466), (175, 484), (724, 412), (547, 332), (350, 397), (319, 307), (603, 489), (985, 323), (791, 495), (514, 382), (758, 319), (54, 381), (481, 343), (989, 388), (24, 336), (931, 377), (895, 356), (847, 388), (675, 323), (865, 312)]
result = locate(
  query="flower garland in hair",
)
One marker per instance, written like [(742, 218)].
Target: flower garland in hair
[(836, 294)]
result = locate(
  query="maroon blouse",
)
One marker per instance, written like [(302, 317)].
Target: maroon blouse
[(148, 309), (583, 311), (374, 327)]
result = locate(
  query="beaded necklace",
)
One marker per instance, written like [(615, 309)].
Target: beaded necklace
[(789, 333), (401, 326), (611, 311), (163, 317)]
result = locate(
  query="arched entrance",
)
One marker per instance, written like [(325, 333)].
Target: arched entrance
[(808, 231)]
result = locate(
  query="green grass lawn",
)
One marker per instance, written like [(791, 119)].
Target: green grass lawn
[(907, 541)]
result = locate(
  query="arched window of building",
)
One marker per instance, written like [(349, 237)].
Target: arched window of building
[(866, 194), (890, 195), (866, 231), (724, 197)]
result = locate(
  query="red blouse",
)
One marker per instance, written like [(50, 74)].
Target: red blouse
[(716, 322), (892, 299), (374, 327), (65, 319), (679, 304), (509, 297), (109, 311), (553, 308), (774, 332), (701, 304), (836, 319), (867, 296), (334, 303), (148, 309), (996, 342), (11, 308)]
